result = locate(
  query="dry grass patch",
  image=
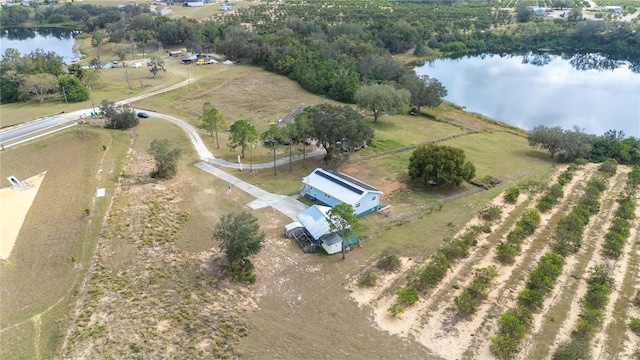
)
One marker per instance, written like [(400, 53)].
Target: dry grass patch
[(53, 248)]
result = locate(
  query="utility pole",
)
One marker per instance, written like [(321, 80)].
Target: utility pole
[(188, 78), (65, 96)]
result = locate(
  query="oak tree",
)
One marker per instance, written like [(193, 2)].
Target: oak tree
[(440, 165), (381, 98)]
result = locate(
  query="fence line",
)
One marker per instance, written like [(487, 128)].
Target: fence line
[(412, 146), (438, 203)]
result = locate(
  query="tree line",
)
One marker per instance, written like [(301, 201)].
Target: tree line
[(575, 143)]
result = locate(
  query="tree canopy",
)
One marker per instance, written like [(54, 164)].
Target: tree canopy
[(119, 116), (548, 138), (156, 65), (166, 158), (425, 91), (239, 237), (271, 138), (575, 143), (343, 220), (243, 133), (440, 165), (338, 127), (381, 98), (212, 120), (72, 89)]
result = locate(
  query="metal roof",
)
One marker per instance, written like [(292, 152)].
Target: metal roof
[(338, 185), (316, 221)]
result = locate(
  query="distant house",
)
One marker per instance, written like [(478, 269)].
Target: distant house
[(160, 10), (613, 9), (316, 221), (332, 188), (194, 3), (290, 117), (107, 64), (189, 59), (538, 11)]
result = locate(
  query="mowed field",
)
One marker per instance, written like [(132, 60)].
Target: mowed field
[(157, 287), (53, 249)]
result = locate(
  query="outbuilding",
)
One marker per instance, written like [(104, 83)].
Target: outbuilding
[(317, 222), (332, 188), (613, 9)]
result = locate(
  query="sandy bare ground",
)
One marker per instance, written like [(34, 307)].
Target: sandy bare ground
[(578, 264), (437, 325), (14, 206)]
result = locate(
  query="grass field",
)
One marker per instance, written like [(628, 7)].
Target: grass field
[(57, 239)]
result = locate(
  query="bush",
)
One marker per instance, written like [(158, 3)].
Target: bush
[(504, 346), (571, 350), (466, 303), (368, 278), (531, 299), (597, 297), (389, 260), (511, 195), (431, 274), (407, 296), (523, 314), (491, 213), (529, 221), (565, 177), (395, 310), (546, 203), (506, 253), (556, 191), (516, 236), (634, 325), (509, 325), (455, 249), (609, 167), (580, 161), (471, 297)]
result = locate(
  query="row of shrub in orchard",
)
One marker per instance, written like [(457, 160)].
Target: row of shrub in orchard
[(507, 251), (471, 298), (549, 200), (430, 275), (590, 319), (514, 324)]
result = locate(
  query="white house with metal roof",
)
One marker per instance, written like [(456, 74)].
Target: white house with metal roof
[(317, 222), (332, 188)]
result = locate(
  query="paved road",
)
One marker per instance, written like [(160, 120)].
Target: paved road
[(25, 130), (288, 205)]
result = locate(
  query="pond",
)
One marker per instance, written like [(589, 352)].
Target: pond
[(25, 40), (587, 90)]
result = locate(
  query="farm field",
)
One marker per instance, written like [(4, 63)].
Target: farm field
[(436, 322)]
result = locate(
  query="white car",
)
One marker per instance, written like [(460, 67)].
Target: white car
[(210, 62)]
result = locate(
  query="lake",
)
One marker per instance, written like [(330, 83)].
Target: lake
[(58, 40), (589, 91)]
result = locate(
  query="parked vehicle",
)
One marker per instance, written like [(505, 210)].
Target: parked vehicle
[(143, 115)]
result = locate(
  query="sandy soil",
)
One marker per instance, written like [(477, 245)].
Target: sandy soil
[(434, 322), (14, 206)]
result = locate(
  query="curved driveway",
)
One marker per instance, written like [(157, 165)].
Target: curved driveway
[(288, 205)]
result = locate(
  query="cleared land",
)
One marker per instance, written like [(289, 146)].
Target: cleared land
[(58, 235), (14, 206)]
